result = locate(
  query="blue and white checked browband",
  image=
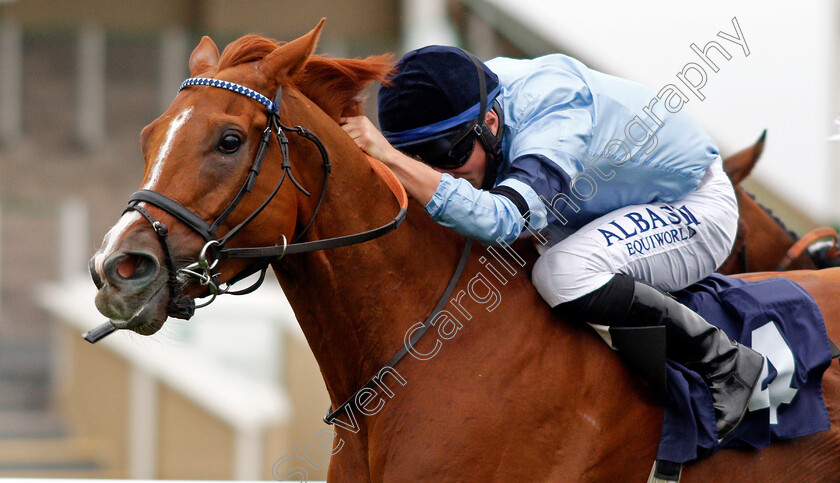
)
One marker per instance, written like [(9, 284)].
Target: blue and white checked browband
[(245, 91)]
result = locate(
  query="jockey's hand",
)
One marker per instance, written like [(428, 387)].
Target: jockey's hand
[(420, 180), (367, 137)]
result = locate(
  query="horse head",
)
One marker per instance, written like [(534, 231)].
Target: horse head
[(207, 192)]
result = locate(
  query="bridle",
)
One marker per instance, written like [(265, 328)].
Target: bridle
[(215, 248)]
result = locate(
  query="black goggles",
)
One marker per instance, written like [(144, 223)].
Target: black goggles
[(450, 152)]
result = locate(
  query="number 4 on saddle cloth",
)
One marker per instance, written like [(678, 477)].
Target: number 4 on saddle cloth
[(777, 318)]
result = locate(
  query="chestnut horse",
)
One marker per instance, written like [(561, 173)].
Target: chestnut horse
[(504, 391), (764, 243)]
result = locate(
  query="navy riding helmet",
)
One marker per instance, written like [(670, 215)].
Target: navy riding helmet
[(433, 107)]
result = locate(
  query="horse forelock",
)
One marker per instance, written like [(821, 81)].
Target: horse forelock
[(250, 48)]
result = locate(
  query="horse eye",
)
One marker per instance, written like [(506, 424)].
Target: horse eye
[(230, 143)]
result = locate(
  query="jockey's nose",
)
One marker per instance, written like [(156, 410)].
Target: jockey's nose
[(129, 269)]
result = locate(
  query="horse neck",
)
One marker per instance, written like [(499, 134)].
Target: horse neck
[(354, 304), (767, 239)]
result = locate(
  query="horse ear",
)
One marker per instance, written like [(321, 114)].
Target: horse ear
[(740, 165), (288, 59), (204, 57)]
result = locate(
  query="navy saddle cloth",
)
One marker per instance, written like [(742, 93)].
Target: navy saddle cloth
[(780, 320)]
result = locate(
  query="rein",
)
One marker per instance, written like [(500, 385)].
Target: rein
[(410, 342)]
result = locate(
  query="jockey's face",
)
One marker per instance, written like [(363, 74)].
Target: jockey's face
[(473, 169)]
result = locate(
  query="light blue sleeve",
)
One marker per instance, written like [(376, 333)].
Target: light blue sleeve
[(474, 213)]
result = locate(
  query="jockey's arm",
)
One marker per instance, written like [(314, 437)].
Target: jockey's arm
[(478, 214), (487, 216), (420, 180), (533, 182)]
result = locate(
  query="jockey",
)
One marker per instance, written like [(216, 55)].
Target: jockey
[(624, 196)]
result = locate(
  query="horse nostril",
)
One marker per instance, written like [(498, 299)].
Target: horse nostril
[(131, 267), (128, 266), (135, 266)]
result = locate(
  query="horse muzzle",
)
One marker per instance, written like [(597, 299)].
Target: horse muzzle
[(132, 288)]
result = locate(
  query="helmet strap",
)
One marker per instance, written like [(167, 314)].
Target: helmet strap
[(492, 142), (492, 146), (491, 171)]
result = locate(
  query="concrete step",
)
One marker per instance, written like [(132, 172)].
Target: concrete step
[(25, 361), (28, 424), (23, 395), (53, 458)]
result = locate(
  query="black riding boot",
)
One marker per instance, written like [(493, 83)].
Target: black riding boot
[(731, 370)]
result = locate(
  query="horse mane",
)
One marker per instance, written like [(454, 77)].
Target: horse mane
[(332, 84), (335, 85)]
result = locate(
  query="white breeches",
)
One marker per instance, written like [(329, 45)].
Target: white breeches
[(668, 245)]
